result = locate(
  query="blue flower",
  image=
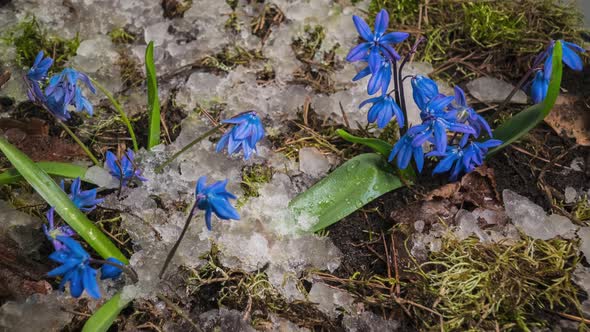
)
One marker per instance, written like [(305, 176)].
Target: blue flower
[(63, 89), (463, 159), (382, 110), (109, 271), (380, 79), (436, 122), (539, 87), (246, 132), (469, 115), (75, 268), (404, 150), (377, 42), (215, 198), (123, 169), (423, 90), (570, 58), (38, 71), (85, 200), (52, 232)]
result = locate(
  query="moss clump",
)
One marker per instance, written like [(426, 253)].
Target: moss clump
[(400, 11), (582, 209), (121, 36), (253, 177), (489, 286), (176, 8), (271, 15), (231, 57), (29, 38), (306, 45)]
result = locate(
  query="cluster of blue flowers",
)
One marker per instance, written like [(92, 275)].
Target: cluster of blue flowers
[(440, 114), (60, 91), (124, 168), (570, 57)]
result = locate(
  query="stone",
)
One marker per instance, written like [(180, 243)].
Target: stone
[(492, 90), (368, 322), (570, 195), (584, 235)]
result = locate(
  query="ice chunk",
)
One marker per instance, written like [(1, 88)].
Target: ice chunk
[(330, 299), (101, 177), (313, 162), (533, 220), (21, 228), (224, 320), (584, 235), (368, 322), (492, 90), (582, 278), (467, 225), (570, 195)]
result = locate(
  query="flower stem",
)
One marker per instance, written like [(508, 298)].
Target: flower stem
[(186, 147), (124, 268), (173, 251), (82, 145), (117, 106)]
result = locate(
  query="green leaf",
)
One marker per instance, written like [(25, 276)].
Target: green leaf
[(345, 190), (521, 123), (153, 101), (103, 318), (52, 168), (376, 144), (54, 196)]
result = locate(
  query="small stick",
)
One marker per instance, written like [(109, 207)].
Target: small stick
[(184, 229)]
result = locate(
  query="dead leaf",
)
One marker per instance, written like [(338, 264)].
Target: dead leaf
[(4, 77), (570, 118)]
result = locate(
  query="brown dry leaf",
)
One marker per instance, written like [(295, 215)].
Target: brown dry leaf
[(4, 77), (571, 118), (33, 139)]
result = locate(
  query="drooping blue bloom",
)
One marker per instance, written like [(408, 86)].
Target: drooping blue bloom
[(214, 198), (570, 58), (423, 90), (382, 110), (125, 169), (109, 271), (64, 89), (436, 122), (380, 79), (52, 232), (85, 200), (75, 268), (38, 71), (469, 115), (463, 159), (539, 87), (246, 132), (405, 151), (377, 44)]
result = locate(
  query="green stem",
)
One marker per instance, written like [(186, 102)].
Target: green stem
[(117, 106), (82, 145), (188, 146)]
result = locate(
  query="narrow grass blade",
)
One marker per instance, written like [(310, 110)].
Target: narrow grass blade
[(104, 317), (348, 188), (54, 196), (521, 123), (119, 109), (52, 168), (376, 144), (153, 100)]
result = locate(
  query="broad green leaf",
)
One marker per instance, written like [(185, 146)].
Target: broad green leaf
[(54, 196), (521, 123), (103, 318), (153, 100), (348, 188), (52, 168), (376, 144)]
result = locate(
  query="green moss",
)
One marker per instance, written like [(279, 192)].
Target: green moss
[(232, 23), (29, 38), (307, 44), (582, 209), (496, 31), (489, 286), (400, 11), (121, 36), (231, 57), (253, 177)]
